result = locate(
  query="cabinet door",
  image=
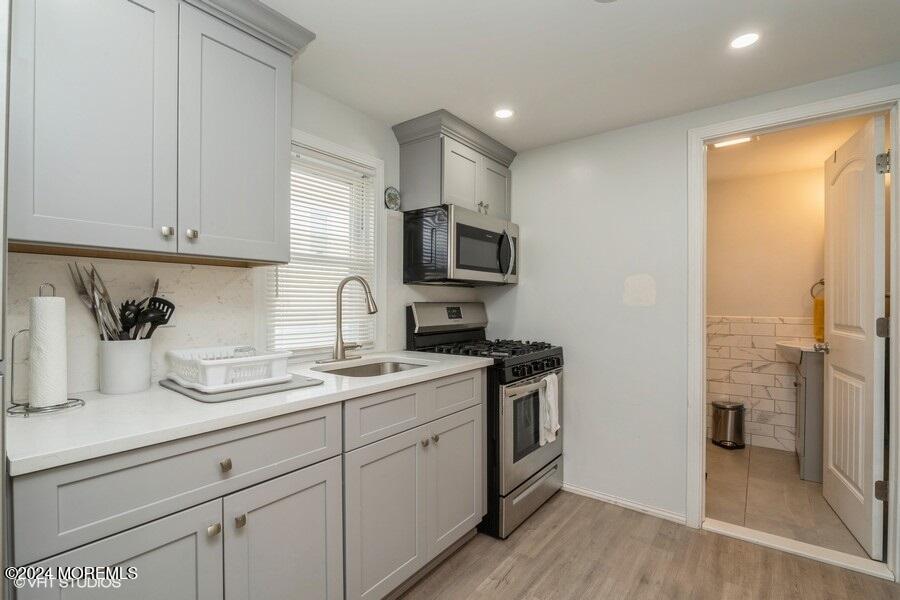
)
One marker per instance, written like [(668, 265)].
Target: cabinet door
[(175, 558), (93, 123), (460, 174), (284, 539), (454, 478), (495, 186), (234, 142), (384, 507)]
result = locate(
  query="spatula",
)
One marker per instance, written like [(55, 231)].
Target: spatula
[(159, 312)]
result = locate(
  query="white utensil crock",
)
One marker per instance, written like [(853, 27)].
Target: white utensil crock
[(124, 366)]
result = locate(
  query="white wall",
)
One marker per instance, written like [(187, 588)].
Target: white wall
[(604, 273), (765, 243)]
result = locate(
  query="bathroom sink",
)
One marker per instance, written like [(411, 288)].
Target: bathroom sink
[(793, 351), (371, 369)]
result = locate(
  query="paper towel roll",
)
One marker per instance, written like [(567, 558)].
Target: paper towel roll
[(48, 379)]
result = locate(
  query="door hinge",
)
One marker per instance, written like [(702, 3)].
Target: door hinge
[(882, 327), (883, 162), (881, 490)]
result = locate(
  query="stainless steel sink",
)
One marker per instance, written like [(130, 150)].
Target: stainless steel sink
[(372, 369)]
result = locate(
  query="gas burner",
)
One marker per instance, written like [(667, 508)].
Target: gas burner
[(497, 349)]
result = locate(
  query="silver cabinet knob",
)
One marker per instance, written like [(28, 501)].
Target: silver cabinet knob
[(436, 438), (425, 442), (240, 521), (192, 234), (487, 207), (167, 230), (225, 465), (214, 530)]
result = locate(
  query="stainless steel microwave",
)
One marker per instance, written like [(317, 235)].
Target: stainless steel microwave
[(449, 245)]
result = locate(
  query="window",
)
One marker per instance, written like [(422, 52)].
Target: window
[(332, 236)]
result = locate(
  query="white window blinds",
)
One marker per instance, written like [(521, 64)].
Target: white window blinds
[(332, 236)]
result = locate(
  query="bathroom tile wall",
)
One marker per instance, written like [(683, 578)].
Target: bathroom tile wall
[(743, 365)]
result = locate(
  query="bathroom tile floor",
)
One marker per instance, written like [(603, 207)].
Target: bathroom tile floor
[(761, 488)]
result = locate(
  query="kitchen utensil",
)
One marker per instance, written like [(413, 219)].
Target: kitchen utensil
[(128, 314), (145, 317), (165, 308)]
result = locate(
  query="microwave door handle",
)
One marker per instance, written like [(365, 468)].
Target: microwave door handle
[(512, 255)]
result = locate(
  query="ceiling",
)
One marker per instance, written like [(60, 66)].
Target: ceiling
[(795, 149), (571, 68)]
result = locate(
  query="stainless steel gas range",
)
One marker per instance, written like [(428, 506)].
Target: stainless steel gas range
[(522, 473)]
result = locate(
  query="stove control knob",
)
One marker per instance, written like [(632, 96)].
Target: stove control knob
[(516, 371)]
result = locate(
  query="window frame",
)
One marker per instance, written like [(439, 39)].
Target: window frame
[(379, 285)]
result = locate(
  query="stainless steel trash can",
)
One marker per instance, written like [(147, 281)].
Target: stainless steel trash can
[(728, 425)]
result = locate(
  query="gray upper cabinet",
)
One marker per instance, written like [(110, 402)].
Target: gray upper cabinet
[(152, 126), (444, 160), (495, 189), (384, 502), (175, 558), (285, 536), (234, 142), (461, 180), (93, 122)]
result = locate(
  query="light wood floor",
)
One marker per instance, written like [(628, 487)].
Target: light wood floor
[(761, 488), (579, 548)]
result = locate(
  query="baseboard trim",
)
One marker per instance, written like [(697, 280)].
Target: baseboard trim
[(625, 503), (866, 566)]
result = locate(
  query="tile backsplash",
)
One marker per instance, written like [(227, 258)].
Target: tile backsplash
[(214, 306), (743, 365)]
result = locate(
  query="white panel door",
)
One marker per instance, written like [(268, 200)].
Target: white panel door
[(495, 188), (461, 174), (234, 142), (854, 368), (454, 478), (284, 538), (93, 123)]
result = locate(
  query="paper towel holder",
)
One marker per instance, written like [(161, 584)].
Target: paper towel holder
[(23, 408)]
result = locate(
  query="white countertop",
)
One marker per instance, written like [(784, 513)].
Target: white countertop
[(110, 424), (792, 351)]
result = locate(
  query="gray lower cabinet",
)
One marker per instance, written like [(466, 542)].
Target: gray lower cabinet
[(384, 505), (408, 498), (284, 538), (175, 558), (234, 142), (454, 482)]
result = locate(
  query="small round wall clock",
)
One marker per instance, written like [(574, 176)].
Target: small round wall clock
[(392, 198)]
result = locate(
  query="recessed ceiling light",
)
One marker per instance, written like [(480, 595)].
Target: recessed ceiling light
[(742, 41), (732, 142), (504, 113)]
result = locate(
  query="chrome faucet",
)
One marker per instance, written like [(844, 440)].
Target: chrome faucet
[(340, 348)]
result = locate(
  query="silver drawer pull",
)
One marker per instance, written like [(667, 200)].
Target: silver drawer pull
[(167, 230), (425, 442), (226, 465), (214, 530), (192, 234), (240, 521), (435, 438)]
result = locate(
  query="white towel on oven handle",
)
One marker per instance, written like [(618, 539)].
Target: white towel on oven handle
[(549, 407)]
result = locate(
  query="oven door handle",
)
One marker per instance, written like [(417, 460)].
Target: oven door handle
[(524, 390)]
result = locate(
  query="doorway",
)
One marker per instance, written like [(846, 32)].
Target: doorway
[(766, 293), (805, 520)]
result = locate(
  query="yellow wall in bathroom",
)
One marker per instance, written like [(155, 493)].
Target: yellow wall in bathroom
[(765, 243)]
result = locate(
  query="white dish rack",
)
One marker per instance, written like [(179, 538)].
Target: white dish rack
[(226, 368)]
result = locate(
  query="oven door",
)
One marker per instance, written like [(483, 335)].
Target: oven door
[(482, 248), (521, 453)]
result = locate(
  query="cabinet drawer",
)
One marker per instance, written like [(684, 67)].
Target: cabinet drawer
[(62, 508), (378, 416), (454, 393)]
